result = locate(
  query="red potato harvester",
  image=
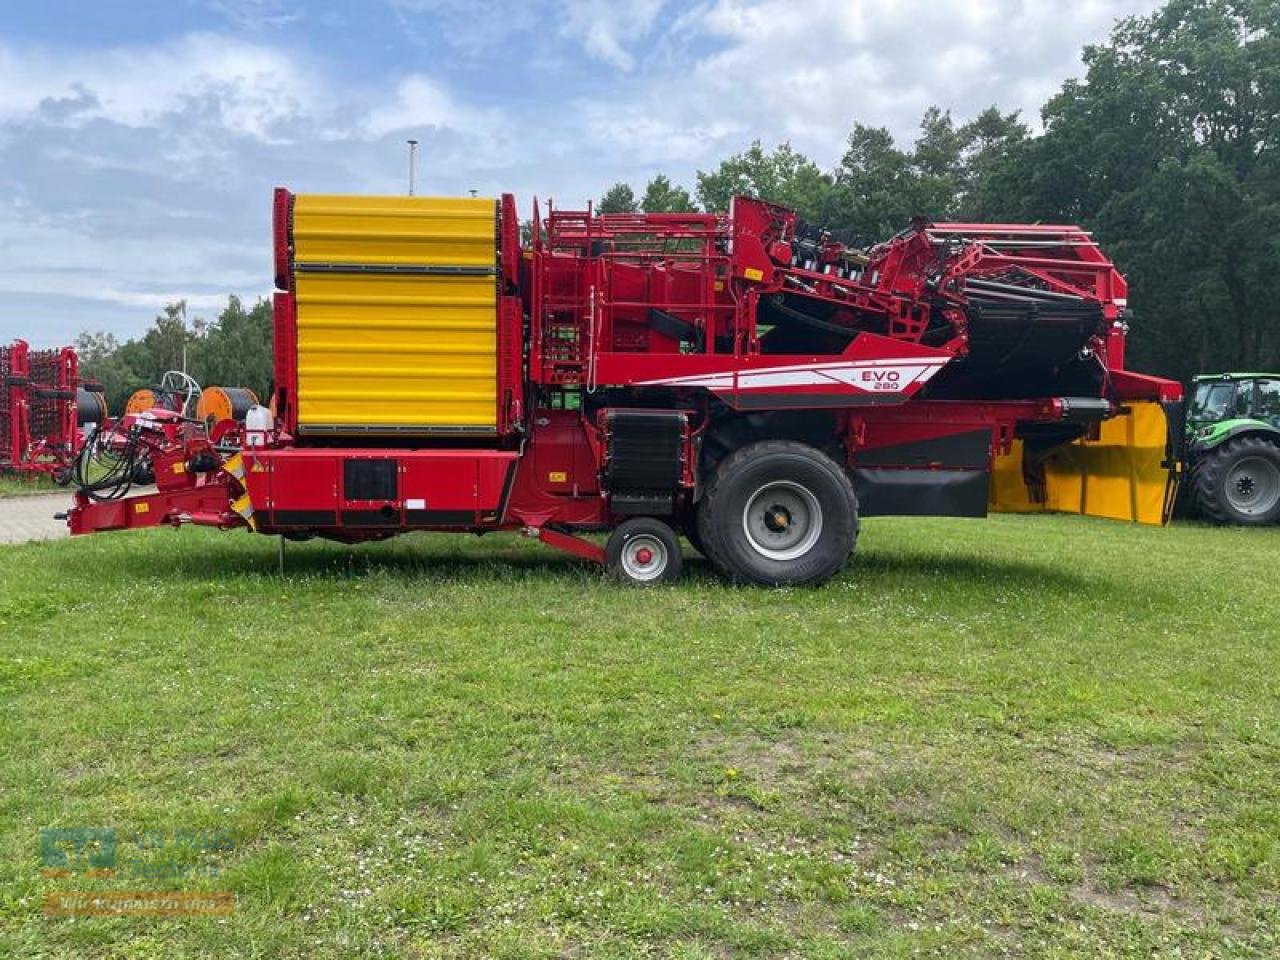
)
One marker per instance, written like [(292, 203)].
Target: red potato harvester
[(744, 379)]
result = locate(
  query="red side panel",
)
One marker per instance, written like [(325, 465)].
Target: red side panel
[(281, 216), (285, 322), (332, 490), (510, 319)]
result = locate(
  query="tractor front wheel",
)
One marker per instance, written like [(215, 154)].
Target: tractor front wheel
[(779, 513), (643, 551), (1239, 483)]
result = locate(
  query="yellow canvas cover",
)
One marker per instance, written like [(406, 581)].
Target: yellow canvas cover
[(1121, 474), (396, 314)]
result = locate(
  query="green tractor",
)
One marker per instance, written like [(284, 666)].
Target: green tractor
[(1233, 448)]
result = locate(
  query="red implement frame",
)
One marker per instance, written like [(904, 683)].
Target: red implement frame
[(38, 430)]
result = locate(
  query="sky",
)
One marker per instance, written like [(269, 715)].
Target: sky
[(140, 142)]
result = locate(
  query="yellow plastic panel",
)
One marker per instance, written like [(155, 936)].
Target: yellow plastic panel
[(1120, 475), (389, 339), (420, 231), (399, 352), (1009, 493)]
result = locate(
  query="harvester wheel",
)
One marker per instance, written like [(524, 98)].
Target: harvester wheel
[(1239, 483), (643, 551), (779, 513)]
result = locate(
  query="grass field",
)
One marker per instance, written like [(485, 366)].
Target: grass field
[(20, 485), (1030, 736)]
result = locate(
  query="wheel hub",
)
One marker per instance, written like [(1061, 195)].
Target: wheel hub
[(644, 557), (782, 520), (1253, 486), (777, 518)]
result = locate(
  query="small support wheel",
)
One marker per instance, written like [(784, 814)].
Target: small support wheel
[(643, 551)]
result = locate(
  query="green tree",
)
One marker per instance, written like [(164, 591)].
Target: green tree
[(169, 338), (873, 193), (779, 176), (235, 350), (619, 198), (662, 196), (878, 186)]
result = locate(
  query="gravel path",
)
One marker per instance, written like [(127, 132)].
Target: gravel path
[(31, 518)]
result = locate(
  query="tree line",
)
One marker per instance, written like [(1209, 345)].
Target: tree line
[(1167, 149)]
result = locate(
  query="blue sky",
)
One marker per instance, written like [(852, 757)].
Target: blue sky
[(139, 142)]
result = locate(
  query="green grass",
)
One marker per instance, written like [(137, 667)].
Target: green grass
[(25, 484), (1030, 736)]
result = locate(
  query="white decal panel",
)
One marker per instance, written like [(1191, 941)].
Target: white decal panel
[(866, 376)]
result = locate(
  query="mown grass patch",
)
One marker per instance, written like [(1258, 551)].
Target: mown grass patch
[(1031, 735)]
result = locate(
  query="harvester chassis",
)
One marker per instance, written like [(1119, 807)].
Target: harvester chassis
[(743, 379)]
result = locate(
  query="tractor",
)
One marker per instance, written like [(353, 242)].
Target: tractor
[(1233, 448)]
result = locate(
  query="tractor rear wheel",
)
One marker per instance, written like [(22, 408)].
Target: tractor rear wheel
[(643, 551), (779, 513), (1239, 483)]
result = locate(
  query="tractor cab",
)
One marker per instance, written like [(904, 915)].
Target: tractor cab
[(1230, 396)]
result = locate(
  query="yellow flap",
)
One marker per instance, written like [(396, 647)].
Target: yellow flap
[(1120, 475)]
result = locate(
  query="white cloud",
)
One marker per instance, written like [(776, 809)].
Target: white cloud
[(606, 29), (131, 175), (421, 102), (807, 72), (257, 14), (254, 86)]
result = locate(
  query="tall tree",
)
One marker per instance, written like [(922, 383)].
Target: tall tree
[(781, 175), (235, 350), (879, 186), (662, 196), (619, 198), (874, 186), (1168, 148)]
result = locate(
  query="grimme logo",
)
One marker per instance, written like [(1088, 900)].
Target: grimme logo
[(87, 850)]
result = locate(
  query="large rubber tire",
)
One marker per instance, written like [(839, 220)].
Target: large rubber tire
[(1239, 483), (642, 552), (779, 513)]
